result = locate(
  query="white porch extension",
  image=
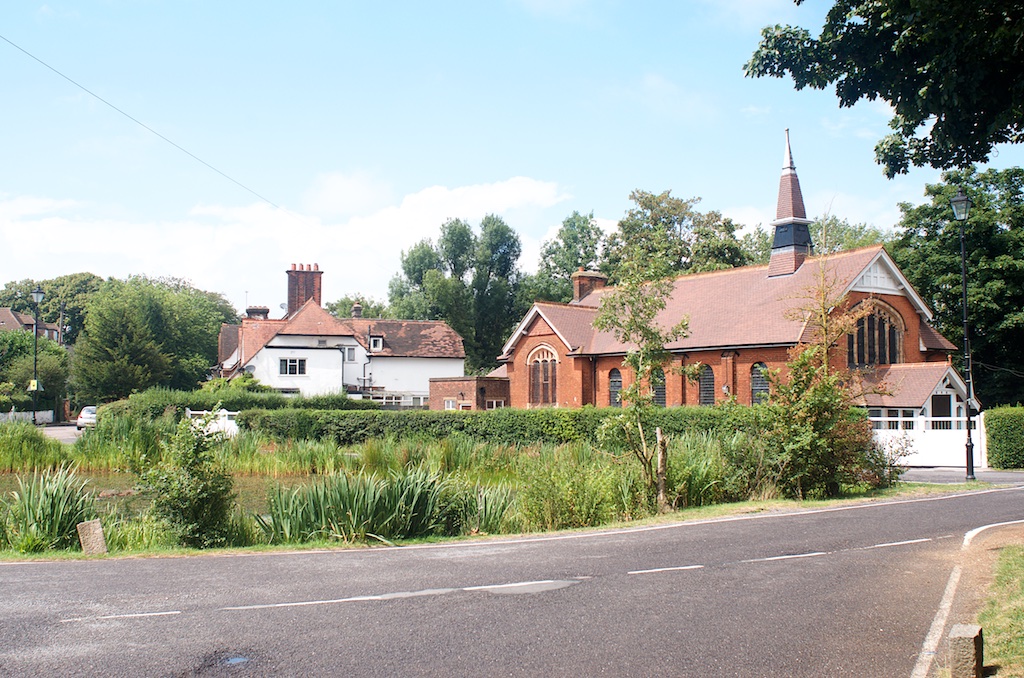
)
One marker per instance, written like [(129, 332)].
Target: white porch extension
[(932, 441)]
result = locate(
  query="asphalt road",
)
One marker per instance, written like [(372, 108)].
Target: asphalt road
[(850, 591)]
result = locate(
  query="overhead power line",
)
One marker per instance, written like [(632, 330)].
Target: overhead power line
[(140, 123)]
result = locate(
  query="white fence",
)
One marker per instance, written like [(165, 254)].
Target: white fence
[(42, 416), (224, 421), (934, 441)]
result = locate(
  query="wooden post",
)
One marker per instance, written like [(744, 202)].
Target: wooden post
[(662, 470)]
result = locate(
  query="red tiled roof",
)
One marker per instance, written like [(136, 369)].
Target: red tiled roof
[(933, 341), (743, 306), (402, 338), (906, 384)]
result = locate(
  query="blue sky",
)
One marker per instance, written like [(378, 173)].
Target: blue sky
[(370, 124)]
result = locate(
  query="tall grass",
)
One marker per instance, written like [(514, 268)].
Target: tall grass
[(23, 447), (42, 514), (399, 505)]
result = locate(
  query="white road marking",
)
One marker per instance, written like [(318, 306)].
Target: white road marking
[(134, 615), (969, 537), (894, 543), (396, 595), (668, 569), (508, 586), (813, 554), (931, 641)]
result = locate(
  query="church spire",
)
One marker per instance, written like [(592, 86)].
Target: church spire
[(792, 241)]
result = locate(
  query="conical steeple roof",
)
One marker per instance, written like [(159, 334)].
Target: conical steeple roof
[(791, 243), (790, 206)]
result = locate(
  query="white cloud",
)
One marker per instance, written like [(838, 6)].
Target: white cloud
[(242, 252)]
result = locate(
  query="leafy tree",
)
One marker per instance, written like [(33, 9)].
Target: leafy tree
[(342, 308), (950, 70), (52, 368), (495, 282), (16, 357), (927, 250), (577, 244), (142, 332), (671, 232), (821, 440), (470, 281), (630, 312), (68, 292)]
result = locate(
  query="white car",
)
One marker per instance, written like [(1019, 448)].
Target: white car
[(87, 417)]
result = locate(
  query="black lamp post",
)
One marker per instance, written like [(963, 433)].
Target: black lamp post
[(37, 297), (961, 205)]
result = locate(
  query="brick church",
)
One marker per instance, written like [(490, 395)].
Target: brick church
[(741, 321)]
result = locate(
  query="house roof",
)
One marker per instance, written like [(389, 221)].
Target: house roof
[(728, 309), (401, 338), (908, 384), (13, 320)]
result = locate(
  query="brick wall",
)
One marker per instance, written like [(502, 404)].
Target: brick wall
[(470, 393)]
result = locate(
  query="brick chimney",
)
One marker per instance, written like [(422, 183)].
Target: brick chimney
[(357, 310), (257, 313), (303, 285), (584, 282), (792, 242)]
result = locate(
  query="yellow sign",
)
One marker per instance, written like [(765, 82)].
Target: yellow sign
[(34, 385)]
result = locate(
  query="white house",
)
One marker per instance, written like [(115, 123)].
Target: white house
[(311, 352)]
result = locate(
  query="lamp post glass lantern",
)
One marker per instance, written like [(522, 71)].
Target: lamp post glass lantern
[(37, 297), (961, 205)]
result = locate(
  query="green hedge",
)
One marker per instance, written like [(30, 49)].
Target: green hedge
[(1005, 429), (504, 426), (155, 402)]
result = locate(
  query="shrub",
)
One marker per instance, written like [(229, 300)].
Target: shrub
[(697, 469), (190, 491), (1005, 430), (557, 491), (43, 513), (504, 426)]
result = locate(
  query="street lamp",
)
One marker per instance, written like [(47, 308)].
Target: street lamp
[(37, 297), (961, 205)]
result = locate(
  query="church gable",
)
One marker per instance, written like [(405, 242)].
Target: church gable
[(883, 277)]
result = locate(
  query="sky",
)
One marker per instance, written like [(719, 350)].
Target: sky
[(222, 142)]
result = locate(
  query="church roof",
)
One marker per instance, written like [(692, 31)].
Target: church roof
[(733, 308)]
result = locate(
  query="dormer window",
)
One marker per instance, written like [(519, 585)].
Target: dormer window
[(376, 344)]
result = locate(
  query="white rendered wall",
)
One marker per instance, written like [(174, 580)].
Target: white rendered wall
[(412, 375), (326, 372)]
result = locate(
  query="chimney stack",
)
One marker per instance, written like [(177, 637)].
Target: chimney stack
[(257, 313), (584, 282), (303, 285), (357, 310)]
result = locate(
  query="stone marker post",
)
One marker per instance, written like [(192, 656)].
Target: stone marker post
[(966, 651), (90, 533)]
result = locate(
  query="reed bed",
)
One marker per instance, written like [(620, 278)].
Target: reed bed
[(388, 488)]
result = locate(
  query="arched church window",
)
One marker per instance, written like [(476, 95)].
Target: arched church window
[(658, 386), (543, 364), (615, 388), (878, 339), (758, 383), (706, 385)]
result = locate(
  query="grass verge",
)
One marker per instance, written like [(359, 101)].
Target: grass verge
[(1003, 616)]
